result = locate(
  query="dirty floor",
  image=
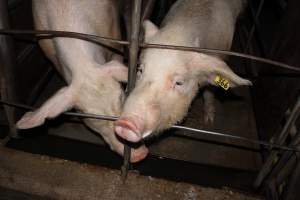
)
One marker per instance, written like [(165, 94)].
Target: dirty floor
[(51, 178)]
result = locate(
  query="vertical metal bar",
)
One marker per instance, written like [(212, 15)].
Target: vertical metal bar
[(6, 69), (292, 185), (284, 160), (279, 140), (148, 9), (250, 34), (253, 28), (133, 57)]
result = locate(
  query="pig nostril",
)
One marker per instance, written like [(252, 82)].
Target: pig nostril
[(130, 123), (127, 134), (127, 130), (126, 124)]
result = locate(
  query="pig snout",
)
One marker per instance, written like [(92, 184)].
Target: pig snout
[(129, 128), (141, 114), (138, 126)]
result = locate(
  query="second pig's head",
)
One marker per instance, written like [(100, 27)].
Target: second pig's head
[(167, 82)]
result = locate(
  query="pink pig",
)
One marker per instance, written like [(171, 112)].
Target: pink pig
[(92, 72), (169, 79)]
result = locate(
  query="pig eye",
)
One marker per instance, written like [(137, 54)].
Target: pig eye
[(179, 83), (140, 71), (140, 68)]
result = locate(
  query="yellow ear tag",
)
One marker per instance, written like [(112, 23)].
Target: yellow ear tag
[(222, 82)]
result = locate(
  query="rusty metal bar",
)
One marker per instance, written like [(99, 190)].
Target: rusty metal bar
[(114, 118), (268, 165), (75, 114), (51, 33), (133, 58), (98, 40), (223, 52)]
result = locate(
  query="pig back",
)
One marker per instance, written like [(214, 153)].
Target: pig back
[(204, 23), (89, 17)]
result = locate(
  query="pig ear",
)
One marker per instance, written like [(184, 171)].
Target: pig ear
[(116, 69), (209, 67), (60, 102), (150, 29)]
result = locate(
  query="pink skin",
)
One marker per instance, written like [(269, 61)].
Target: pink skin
[(169, 80), (128, 130), (163, 99), (138, 154), (93, 73), (144, 116)]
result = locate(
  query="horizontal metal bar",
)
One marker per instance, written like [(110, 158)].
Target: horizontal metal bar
[(217, 51), (51, 33), (76, 114), (114, 118), (99, 40), (267, 144)]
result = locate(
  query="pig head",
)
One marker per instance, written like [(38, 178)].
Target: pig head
[(168, 80)]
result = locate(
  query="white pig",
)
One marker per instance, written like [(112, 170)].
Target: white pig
[(169, 79), (92, 72)]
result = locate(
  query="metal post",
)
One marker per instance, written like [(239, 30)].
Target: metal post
[(292, 185), (249, 35), (284, 160), (149, 5), (133, 57), (6, 70), (279, 140), (255, 24)]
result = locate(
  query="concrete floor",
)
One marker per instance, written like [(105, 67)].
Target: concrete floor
[(50, 178)]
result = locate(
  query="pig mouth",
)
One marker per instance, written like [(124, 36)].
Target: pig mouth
[(128, 129)]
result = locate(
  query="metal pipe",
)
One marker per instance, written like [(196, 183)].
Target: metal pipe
[(99, 40), (50, 33), (133, 58), (148, 9), (250, 68), (223, 52), (268, 165), (292, 183), (286, 170), (26, 53), (266, 144), (114, 118), (255, 23), (6, 70), (40, 86), (284, 160)]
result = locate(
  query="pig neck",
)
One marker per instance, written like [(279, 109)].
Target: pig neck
[(81, 59)]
